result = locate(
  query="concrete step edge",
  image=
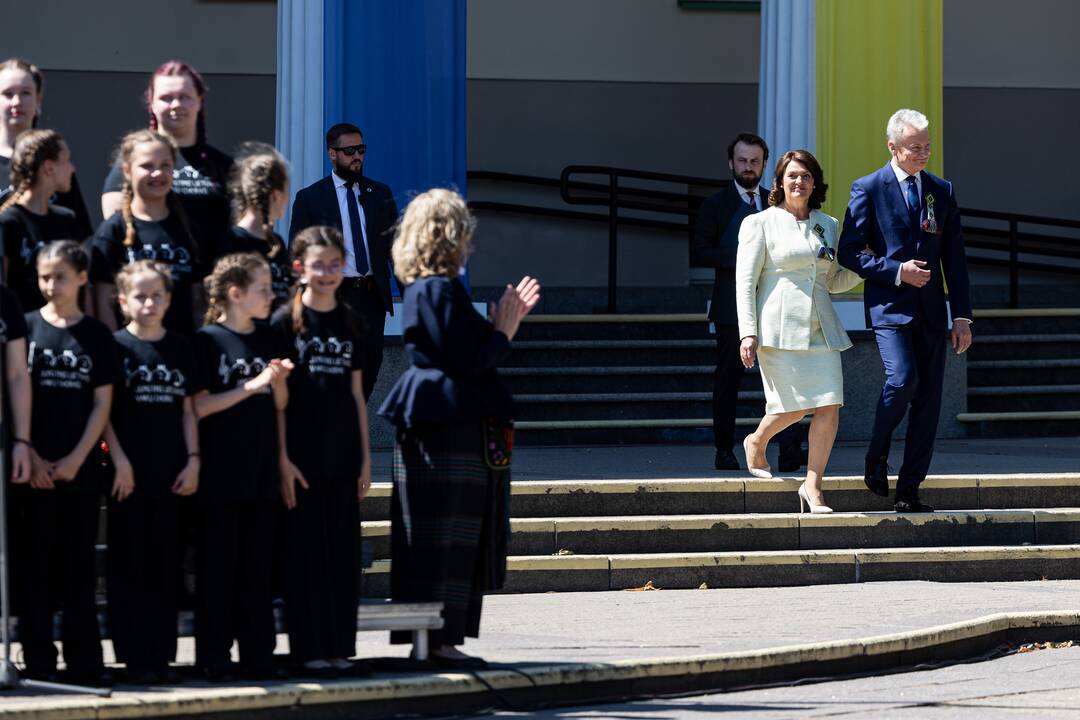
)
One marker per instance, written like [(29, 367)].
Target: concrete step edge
[(991, 390), (632, 397), (1034, 416), (1046, 363), (1038, 338)]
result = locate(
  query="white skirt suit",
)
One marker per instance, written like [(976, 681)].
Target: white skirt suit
[(782, 290)]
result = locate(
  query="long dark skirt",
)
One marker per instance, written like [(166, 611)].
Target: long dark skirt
[(322, 565), (449, 526)]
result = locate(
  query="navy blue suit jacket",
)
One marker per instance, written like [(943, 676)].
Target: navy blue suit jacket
[(877, 216), (317, 204), (454, 353), (715, 245)]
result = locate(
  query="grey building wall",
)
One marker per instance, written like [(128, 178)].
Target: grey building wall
[(97, 58)]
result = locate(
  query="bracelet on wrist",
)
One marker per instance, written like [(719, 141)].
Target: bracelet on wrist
[(193, 455), (23, 441)]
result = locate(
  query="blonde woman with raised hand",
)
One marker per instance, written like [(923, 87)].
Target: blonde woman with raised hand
[(785, 270)]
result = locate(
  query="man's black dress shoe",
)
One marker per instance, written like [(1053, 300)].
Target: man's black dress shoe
[(792, 461), (911, 504), (725, 460), (876, 476)]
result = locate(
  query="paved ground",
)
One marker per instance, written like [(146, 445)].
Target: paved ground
[(952, 457), (1043, 684)]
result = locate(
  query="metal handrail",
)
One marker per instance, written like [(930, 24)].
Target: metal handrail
[(616, 196)]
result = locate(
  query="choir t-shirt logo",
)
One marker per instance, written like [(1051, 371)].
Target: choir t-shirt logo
[(28, 250), (158, 384), (176, 256), (66, 370), (240, 369), (189, 181), (329, 356)]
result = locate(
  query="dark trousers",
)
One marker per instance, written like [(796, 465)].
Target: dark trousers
[(364, 298), (57, 569), (143, 534), (322, 567), (234, 584), (914, 359), (726, 381)]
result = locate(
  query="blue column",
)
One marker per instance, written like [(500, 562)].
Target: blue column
[(300, 124), (397, 70)]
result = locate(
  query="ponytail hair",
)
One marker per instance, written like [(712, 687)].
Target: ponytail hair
[(258, 171), (32, 149), (172, 202), (317, 236), (236, 270)]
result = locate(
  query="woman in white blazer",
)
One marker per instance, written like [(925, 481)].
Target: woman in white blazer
[(785, 270)]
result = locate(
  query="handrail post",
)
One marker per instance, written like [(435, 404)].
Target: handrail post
[(1014, 261), (613, 237)]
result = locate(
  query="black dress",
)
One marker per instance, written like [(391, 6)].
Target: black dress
[(450, 509), (322, 533)]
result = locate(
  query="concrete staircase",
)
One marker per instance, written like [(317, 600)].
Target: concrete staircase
[(623, 534), (1024, 373)]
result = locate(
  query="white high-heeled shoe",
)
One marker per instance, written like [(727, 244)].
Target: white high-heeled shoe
[(765, 472), (804, 499)]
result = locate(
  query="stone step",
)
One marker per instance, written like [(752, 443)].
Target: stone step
[(627, 406), (656, 326), (1025, 347), (999, 373), (738, 495), (569, 353), (1026, 320), (774, 568), (778, 531), (1023, 398), (607, 379), (1052, 423)]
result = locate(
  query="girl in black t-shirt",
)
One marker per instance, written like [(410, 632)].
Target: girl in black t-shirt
[(154, 446), (327, 456), (151, 225), (40, 167), (259, 186), (244, 371), (22, 92), (72, 363), (176, 107), (16, 386)]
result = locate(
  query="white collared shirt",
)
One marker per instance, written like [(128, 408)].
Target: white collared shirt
[(744, 195), (346, 226)]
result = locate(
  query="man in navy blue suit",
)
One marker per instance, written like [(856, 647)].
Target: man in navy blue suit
[(365, 212), (902, 235)]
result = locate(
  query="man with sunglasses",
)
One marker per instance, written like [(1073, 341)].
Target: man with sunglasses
[(365, 212)]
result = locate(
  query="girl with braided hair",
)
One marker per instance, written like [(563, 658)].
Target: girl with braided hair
[(176, 108), (40, 167), (22, 89), (244, 367), (151, 225), (259, 186)]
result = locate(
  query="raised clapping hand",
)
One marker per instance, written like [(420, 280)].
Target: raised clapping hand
[(748, 351), (914, 272), (514, 305)]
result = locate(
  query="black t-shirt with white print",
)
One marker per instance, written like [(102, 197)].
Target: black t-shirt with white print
[(239, 445), (200, 179), (165, 241), (239, 240), (23, 234), (322, 424), (66, 366), (148, 407), (72, 200), (12, 327)]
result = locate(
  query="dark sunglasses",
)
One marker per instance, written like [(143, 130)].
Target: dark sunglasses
[(826, 252), (351, 150)]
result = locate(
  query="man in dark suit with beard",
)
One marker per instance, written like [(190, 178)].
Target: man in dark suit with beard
[(716, 243), (365, 212)]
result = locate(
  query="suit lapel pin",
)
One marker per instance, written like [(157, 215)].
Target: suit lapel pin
[(930, 223)]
